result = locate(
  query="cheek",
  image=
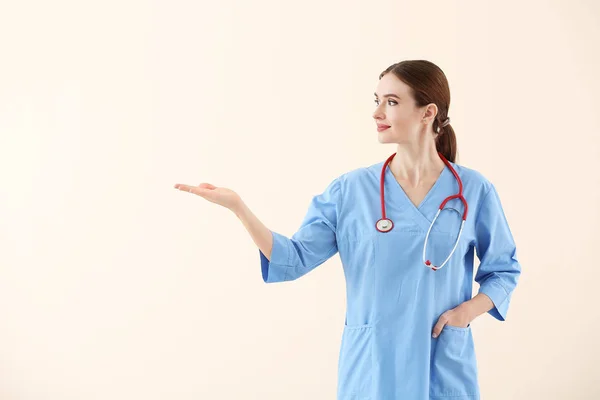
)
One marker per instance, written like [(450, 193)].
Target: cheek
[(399, 118), (400, 123), (403, 130)]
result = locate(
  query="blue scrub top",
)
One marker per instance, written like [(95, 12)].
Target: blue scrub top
[(392, 300)]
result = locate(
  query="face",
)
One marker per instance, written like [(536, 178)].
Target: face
[(399, 112)]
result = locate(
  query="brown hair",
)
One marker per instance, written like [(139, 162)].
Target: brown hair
[(428, 84)]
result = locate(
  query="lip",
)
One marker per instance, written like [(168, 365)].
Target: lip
[(382, 127)]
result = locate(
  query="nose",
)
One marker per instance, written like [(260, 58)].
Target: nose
[(378, 114)]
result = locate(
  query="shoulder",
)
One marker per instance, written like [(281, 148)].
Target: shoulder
[(367, 172), (346, 185), (473, 180), (350, 178)]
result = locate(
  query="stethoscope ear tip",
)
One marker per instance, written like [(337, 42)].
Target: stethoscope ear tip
[(428, 265)]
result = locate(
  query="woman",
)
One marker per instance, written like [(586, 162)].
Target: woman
[(407, 333)]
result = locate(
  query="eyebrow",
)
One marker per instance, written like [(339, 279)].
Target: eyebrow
[(388, 95)]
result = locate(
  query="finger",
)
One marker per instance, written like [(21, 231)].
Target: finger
[(188, 188), (437, 329), (207, 186), (183, 187)]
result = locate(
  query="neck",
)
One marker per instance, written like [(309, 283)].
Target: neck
[(415, 164)]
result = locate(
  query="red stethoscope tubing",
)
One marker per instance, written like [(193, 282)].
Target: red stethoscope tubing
[(387, 224)]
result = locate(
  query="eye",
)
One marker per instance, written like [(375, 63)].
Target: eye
[(389, 100)]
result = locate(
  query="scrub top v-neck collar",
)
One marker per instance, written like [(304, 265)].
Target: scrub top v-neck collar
[(394, 189)]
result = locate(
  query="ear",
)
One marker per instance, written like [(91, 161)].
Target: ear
[(431, 111)]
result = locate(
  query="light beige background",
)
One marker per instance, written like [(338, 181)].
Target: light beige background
[(116, 286)]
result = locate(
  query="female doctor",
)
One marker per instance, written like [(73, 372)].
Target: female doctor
[(406, 230)]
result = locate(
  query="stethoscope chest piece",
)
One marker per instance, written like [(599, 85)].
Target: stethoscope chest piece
[(384, 225)]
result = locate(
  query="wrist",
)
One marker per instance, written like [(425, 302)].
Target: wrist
[(478, 305), (470, 308), (239, 209)]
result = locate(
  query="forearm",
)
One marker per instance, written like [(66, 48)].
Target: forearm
[(261, 235)]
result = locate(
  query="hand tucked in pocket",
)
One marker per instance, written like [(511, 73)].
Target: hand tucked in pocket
[(460, 317)]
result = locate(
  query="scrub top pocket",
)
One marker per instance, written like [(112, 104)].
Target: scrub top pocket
[(355, 363), (453, 364)]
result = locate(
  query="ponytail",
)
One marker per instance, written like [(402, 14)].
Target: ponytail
[(445, 142)]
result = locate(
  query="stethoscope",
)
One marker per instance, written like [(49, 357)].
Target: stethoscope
[(385, 224)]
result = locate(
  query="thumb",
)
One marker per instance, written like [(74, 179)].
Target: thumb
[(437, 329), (205, 185)]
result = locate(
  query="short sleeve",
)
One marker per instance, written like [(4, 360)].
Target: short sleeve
[(311, 245), (499, 269)]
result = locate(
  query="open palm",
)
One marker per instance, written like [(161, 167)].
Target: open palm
[(218, 195)]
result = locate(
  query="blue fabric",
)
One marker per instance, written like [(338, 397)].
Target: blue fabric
[(392, 300)]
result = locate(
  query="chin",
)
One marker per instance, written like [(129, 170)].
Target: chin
[(385, 137)]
